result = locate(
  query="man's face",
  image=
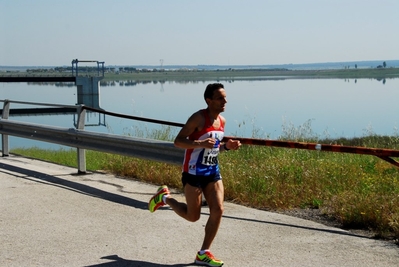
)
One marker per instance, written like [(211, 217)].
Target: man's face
[(218, 101)]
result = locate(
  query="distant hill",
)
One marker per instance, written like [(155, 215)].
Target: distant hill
[(305, 66)]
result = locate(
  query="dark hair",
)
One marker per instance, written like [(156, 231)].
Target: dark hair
[(211, 88)]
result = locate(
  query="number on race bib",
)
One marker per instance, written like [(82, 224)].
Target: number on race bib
[(210, 157)]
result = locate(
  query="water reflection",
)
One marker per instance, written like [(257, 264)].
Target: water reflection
[(162, 82)]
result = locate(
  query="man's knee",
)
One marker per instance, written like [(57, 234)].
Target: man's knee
[(216, 210), (193, 217)]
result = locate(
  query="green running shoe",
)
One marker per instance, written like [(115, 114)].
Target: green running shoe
[(207, 259), (156, 201)]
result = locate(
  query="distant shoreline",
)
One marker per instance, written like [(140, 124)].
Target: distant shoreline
[(161, 75), (250, 74)]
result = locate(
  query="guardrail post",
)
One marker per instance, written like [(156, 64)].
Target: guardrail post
[(81, 152), (4, 137)]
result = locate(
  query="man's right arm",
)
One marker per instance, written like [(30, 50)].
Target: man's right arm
[(194, 123)]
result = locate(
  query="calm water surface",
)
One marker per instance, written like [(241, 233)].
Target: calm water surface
[(267, 108)]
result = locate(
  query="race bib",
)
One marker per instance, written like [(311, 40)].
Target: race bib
[(210, 157)]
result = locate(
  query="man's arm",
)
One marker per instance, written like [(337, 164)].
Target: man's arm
[(231, 145), (194, 123)]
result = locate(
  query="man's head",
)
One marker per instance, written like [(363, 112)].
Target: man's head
[(215, 97), (212, 87)]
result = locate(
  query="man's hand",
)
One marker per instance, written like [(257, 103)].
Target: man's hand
[(208, 143), (233, 144)]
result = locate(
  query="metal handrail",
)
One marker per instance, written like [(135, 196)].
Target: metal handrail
[(38, 104), (384, 154)]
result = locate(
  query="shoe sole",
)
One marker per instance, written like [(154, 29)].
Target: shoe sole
[(205, 264)]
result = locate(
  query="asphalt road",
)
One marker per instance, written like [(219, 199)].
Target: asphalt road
[(50, 216)]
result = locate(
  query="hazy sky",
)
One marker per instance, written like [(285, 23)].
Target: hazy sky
[(212, 32)]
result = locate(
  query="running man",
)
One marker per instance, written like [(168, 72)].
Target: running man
[(201, 138)]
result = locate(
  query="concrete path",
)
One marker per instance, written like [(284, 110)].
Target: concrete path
[(49, 216)]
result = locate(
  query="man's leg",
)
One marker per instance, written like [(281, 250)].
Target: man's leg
[(214, 195), (191, 210)]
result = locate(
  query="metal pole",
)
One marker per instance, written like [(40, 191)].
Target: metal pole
[(4, 137), (81, 152)]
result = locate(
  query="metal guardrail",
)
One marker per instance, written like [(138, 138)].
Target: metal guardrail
[(156, 150)]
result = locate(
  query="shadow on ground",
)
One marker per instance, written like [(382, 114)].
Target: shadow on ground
[(120, 262)]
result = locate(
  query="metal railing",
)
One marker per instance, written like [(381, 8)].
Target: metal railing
[(99, 69), (157, 150)]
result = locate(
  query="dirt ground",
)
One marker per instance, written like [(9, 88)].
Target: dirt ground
[(316, 215)]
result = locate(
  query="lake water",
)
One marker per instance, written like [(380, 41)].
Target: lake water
[(264, 108)]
